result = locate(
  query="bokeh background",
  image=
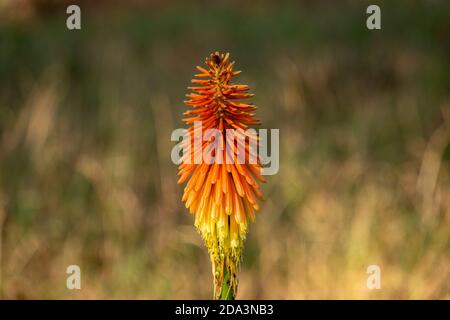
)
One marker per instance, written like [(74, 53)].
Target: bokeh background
[(85, 170)]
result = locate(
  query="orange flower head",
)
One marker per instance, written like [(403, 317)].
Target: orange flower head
[(222, 194)]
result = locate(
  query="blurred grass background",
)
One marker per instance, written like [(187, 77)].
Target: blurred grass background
[(85, 170)]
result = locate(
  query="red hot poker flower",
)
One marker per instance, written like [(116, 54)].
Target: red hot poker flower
[(222, 195)]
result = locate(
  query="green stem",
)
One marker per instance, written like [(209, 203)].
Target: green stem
[(227, 291)]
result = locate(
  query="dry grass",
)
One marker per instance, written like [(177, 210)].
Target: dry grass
[(86, 177)]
